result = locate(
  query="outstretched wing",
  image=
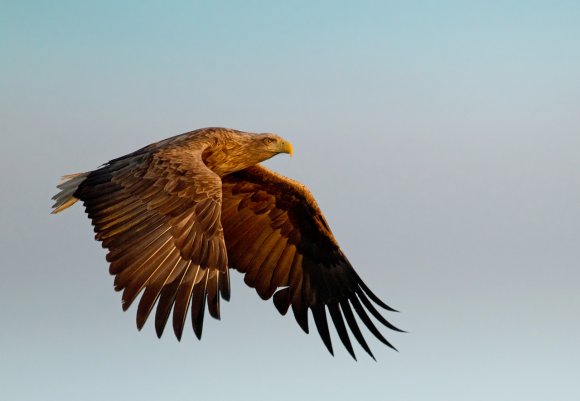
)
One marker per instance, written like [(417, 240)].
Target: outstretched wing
[(276, 234), (158, 212)]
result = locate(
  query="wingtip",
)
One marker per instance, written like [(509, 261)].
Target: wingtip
[(373, 296), (198, 332)]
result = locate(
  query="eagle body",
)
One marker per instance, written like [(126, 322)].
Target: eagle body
[(176, 215)]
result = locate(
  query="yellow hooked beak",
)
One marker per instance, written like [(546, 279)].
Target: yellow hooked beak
[(287, 148)]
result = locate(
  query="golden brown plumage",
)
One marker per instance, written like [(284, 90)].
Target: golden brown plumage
[(177, 214)]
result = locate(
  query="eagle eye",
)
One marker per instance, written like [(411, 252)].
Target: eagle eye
[(268, 141)]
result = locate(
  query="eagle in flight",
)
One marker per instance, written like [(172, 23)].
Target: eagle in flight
[(176, 215)]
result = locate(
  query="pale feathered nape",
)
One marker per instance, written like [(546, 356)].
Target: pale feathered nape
[(68, 186)]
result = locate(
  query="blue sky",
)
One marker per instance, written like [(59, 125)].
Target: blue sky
[(441, 139)]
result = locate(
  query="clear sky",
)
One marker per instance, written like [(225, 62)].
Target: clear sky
[(441, 139)]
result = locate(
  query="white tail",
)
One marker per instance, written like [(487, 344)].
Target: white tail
[(68, 186)]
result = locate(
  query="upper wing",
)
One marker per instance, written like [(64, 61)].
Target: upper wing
[(276, 234), (158, 212)]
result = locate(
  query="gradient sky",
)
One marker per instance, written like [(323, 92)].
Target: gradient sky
[(441, 139)]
